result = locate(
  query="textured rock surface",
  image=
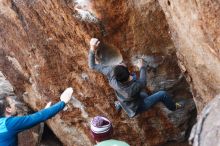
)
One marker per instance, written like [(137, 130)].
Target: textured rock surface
[(43, 50), (38, 135), (5, 86), (196, 34), (206, 131), (195, 31)]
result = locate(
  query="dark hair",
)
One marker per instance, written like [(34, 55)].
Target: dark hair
[(121, 73), (3, 104)]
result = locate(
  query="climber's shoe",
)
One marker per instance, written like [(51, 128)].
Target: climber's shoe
[(118, 106), (179, 105)]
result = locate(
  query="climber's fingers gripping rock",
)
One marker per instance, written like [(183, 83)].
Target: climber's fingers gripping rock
[(94, 43)]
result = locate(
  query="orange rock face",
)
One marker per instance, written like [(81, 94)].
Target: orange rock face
[(44, 49), (196, 34)]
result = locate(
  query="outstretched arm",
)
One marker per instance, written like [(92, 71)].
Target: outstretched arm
[(94, 43), (17, 124), (143, 77), (141, 82)]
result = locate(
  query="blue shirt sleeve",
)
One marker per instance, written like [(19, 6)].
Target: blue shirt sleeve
[(20, 123)]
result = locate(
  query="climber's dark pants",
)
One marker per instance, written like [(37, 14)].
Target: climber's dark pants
[(148, 101)]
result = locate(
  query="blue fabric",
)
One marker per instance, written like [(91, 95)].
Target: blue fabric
[(13, 125), (134, 77), (149, 101), (3, 127)]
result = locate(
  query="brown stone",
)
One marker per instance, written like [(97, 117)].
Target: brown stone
[(195, 32), (205, 131), (44, 49)]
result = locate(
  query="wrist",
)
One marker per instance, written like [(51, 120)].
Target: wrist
[(63, 101), (91, 51), (142, 67), (92, 48)]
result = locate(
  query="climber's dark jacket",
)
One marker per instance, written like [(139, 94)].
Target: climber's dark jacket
[(127, 93)]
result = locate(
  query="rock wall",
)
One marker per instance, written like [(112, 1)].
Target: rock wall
[(44, 49), (196, 35), (205, 131)]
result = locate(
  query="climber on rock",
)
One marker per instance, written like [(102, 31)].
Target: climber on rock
[(128, 89), (11, 125), (102, 131)]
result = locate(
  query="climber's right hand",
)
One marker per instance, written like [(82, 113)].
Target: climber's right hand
[(94, 43), (66, 95), (140, 63)]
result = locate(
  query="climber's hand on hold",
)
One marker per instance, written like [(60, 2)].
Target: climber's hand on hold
[(66, 95), (94, 43), (140, 63)]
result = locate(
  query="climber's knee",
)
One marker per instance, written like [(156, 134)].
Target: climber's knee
[(162, 93)]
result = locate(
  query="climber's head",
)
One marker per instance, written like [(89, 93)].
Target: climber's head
[(8, 106), (121, 73), (101, 128)]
